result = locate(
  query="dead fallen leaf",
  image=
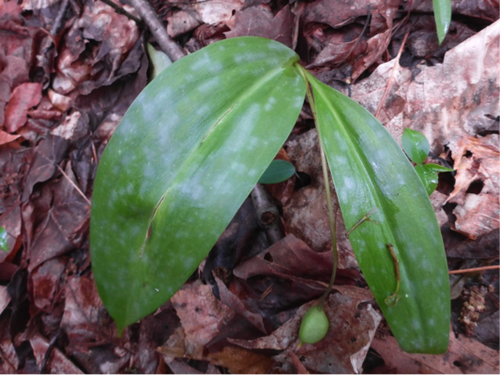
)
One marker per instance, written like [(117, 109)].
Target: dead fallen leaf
[(85, 320), (57, 363), (306, 214), (476, 193), (464, 356), (24, 97), (260, 21), (49, 152), (44, 282), (345, 346), (66, 216)]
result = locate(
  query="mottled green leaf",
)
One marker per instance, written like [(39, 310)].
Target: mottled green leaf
[(278, 171), (416, 145), (442, 15), (184, 158), (3, 239), (371, 174)]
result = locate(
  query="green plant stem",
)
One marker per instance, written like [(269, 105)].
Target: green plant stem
[(326, 179)]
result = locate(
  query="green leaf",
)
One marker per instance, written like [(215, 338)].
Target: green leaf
[(437, 168), (416, 146), (371, 174), (184, 158), (428, 177), (442, 15), (159, 61), (428, 174), (278, 171), (3, 240)]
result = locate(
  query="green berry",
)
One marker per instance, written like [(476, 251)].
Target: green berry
[(314, 326)]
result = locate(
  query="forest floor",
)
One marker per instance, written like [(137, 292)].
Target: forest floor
[(69, 69)]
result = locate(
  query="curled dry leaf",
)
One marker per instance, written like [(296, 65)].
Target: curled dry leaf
[(57, 362)]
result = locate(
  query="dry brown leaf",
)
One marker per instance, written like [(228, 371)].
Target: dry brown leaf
[(464, 356), (202, 316), (57, 362), (24, 97), (477, 162), (344, 348), (260, 21), (305, 213)]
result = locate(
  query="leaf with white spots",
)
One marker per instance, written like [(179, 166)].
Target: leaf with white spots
[(186, 155), (375, 181)]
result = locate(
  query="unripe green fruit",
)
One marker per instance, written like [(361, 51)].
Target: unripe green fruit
[(314, 326)]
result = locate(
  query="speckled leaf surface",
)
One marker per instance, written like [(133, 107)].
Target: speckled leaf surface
[(185, 156), (370, 172)]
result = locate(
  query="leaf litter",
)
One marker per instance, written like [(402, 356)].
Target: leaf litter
[(64, 89)]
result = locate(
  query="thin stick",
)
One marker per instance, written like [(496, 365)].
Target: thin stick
[(120, 10), (74, 185), (363, 219), (468, 270), (394, 68), (167, 45)]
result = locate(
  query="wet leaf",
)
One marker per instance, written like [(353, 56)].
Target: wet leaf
[(278, 171), (416, 146), (197, 140), (428, 174), (370, 172), (428, 177)]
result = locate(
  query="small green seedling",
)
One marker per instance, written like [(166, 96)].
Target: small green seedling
[(417, 148), (278, 171), (3, 239), (193, 145)]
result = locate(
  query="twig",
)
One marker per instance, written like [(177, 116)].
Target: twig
[(74, 185), (469, 270), (120, 10), (167, 45), (394, 68), (396, 63)]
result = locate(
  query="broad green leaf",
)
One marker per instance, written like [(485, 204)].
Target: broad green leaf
[(372, 175), (184, 158), (416, 145), (442, 15), (278, 171), (3, 239)]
